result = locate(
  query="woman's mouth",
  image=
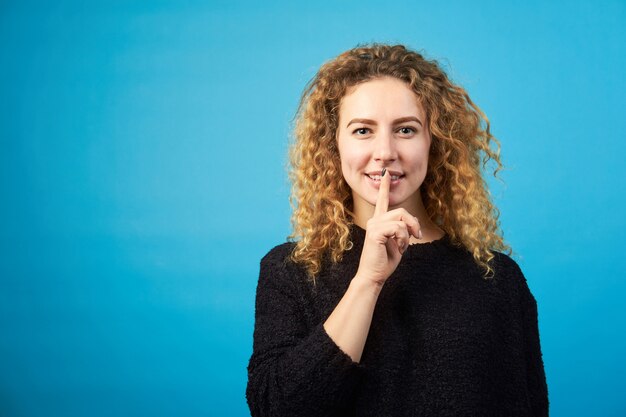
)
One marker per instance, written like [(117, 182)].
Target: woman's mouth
[(378, 177), (375, 178)]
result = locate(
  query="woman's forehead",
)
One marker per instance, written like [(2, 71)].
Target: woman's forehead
[(381, 98)]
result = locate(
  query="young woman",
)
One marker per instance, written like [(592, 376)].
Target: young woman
[(395, 299)]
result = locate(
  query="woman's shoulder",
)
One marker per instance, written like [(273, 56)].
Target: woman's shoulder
[(505, 263), (279, 254), (277, 261), (278, 270), (508, 270)]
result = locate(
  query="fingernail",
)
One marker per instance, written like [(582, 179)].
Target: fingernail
[(419, 234), (382, 174)]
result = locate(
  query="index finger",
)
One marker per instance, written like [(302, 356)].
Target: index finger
[(382, 202)]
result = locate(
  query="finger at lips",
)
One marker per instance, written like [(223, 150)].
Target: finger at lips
[(382, 202)]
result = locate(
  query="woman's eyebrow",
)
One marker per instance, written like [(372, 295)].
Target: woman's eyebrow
[(400, 120), (364, 121), (407, 119)]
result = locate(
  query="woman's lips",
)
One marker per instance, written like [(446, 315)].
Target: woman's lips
[(377, 176), (374, 180)]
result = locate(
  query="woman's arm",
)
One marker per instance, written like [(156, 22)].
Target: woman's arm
[(294, 370), (386, 239), (349, 323), (537, 386), (299, 371)]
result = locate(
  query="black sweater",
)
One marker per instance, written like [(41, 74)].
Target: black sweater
[(443, 340)]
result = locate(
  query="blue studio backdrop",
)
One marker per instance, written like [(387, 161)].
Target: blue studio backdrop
[(143, 176)]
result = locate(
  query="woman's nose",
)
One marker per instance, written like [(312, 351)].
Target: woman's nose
[(384, 147)]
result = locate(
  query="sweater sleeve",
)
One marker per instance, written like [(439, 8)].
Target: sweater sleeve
[(294, 369), (537, 386)]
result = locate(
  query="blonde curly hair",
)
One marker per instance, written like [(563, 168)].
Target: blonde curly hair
[(454, 192)]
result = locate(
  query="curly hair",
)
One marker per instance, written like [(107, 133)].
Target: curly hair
[(454, 192)]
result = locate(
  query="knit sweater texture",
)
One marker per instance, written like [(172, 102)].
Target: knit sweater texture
[(443, 340)]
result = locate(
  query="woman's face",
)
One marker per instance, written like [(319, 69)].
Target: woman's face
[(383, 125)]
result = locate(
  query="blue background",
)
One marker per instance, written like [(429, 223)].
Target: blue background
[(143, 176)]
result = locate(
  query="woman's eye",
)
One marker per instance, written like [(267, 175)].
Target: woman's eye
[(407, 130), (361, 131)]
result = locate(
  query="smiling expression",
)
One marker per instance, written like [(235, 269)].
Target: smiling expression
[(382, 124)]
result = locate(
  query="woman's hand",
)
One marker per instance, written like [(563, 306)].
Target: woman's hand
[(386, 238)]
